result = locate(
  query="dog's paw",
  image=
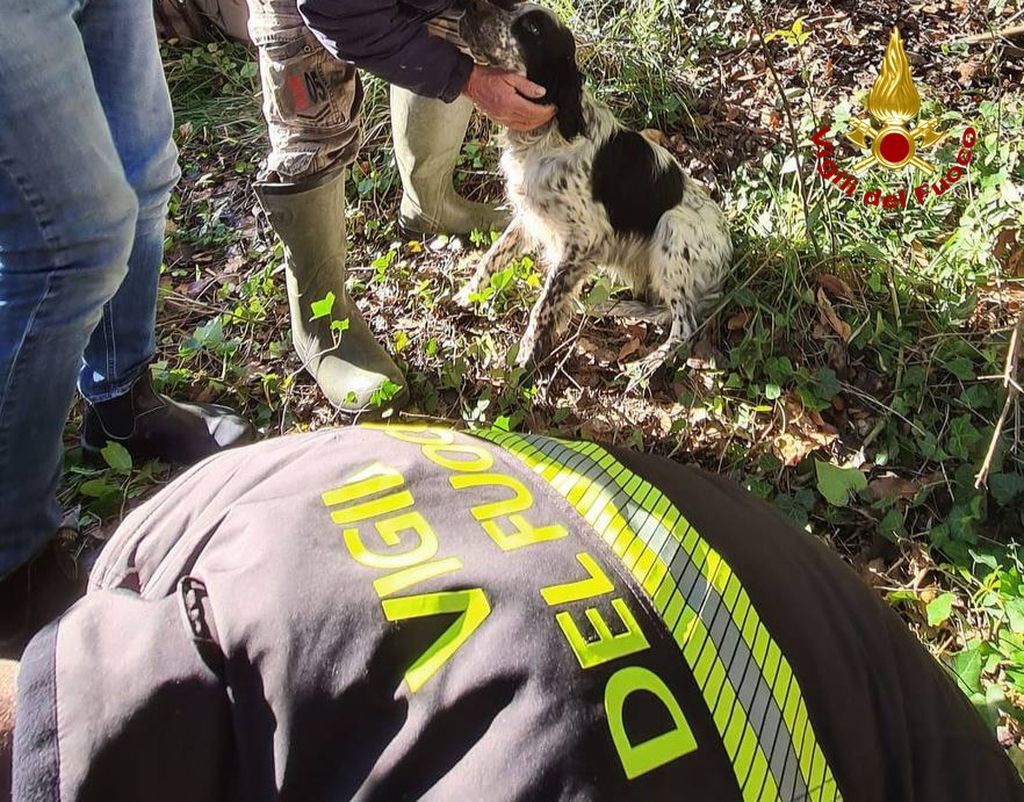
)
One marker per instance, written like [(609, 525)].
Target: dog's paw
[(534, 350), (643, 370), (530, 355), (525, 358)]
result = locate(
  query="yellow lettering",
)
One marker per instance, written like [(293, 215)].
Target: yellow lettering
[(607, 646), (420, 435), (525, 533), (480, 459), (474, 609), (521, 500), (388, 530), (640, 758), (407, 577), (372, 509), (596, 584), (417, 435), (373, 480)]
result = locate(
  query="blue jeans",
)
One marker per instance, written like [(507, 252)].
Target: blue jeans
[(87, 165)]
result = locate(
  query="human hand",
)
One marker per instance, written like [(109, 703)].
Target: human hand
[(505, 97)]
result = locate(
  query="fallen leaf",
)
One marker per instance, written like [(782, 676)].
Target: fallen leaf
[(835, 286), (967, 70), (739, 321), (664, 421), (793, 449), (828, 314), (630, 347), (892, 487), (1010, 252)]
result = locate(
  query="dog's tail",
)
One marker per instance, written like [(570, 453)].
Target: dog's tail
[(634, 310)]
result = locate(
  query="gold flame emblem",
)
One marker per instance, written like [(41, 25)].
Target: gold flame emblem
[(894, 102)]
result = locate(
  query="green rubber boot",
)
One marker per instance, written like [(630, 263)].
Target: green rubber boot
[(350, 366), (428, 136)]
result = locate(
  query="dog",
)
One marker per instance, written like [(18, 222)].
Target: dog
[(588, 193)]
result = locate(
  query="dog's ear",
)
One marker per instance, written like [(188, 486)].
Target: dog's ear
[(568, 97)]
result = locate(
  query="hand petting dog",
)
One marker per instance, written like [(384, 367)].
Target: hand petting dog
[(508, 98)]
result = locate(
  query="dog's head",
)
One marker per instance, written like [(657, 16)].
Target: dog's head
[(529, 39)]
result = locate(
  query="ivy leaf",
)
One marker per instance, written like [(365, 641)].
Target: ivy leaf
[(1005, 487), (97, 488), (962, 519), (836, 484), (891, 526), (963, 436), (939, 609), (967, 667), (791, 508), (384, 393), (827, 384), (323, 307), (208, 335), (961, 367), (1015, 615), (117, 457)]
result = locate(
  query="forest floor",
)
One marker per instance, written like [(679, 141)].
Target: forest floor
[(852, 373)]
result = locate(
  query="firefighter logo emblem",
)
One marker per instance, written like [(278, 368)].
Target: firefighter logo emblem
[(893, 139), (893, 103)]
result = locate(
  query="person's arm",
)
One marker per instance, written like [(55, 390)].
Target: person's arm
[(381, 37)]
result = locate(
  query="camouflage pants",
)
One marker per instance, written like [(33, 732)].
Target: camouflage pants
[(311, 100)]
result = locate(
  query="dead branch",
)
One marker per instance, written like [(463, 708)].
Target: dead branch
[(988, 36), (1013, 389), (791, 124)]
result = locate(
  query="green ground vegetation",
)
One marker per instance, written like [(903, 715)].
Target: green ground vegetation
[(852, 373)]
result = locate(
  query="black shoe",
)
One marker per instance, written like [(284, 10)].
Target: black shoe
[(152, 426), (35, 594)]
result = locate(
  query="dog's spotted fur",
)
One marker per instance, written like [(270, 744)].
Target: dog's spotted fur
[(589, 193)]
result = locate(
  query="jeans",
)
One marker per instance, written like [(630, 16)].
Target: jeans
[(87, 165)]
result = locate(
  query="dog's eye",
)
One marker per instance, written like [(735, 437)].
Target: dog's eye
[(532, 28)]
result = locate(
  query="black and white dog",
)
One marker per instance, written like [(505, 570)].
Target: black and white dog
[(589, 193)]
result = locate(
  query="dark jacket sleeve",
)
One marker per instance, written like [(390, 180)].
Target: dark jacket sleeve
[(391, 41)]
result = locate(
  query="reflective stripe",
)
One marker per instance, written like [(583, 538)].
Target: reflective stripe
[(746, 682)]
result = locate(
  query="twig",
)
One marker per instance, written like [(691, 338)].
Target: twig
[(791, 124), (1012, 386), (988, 36)]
